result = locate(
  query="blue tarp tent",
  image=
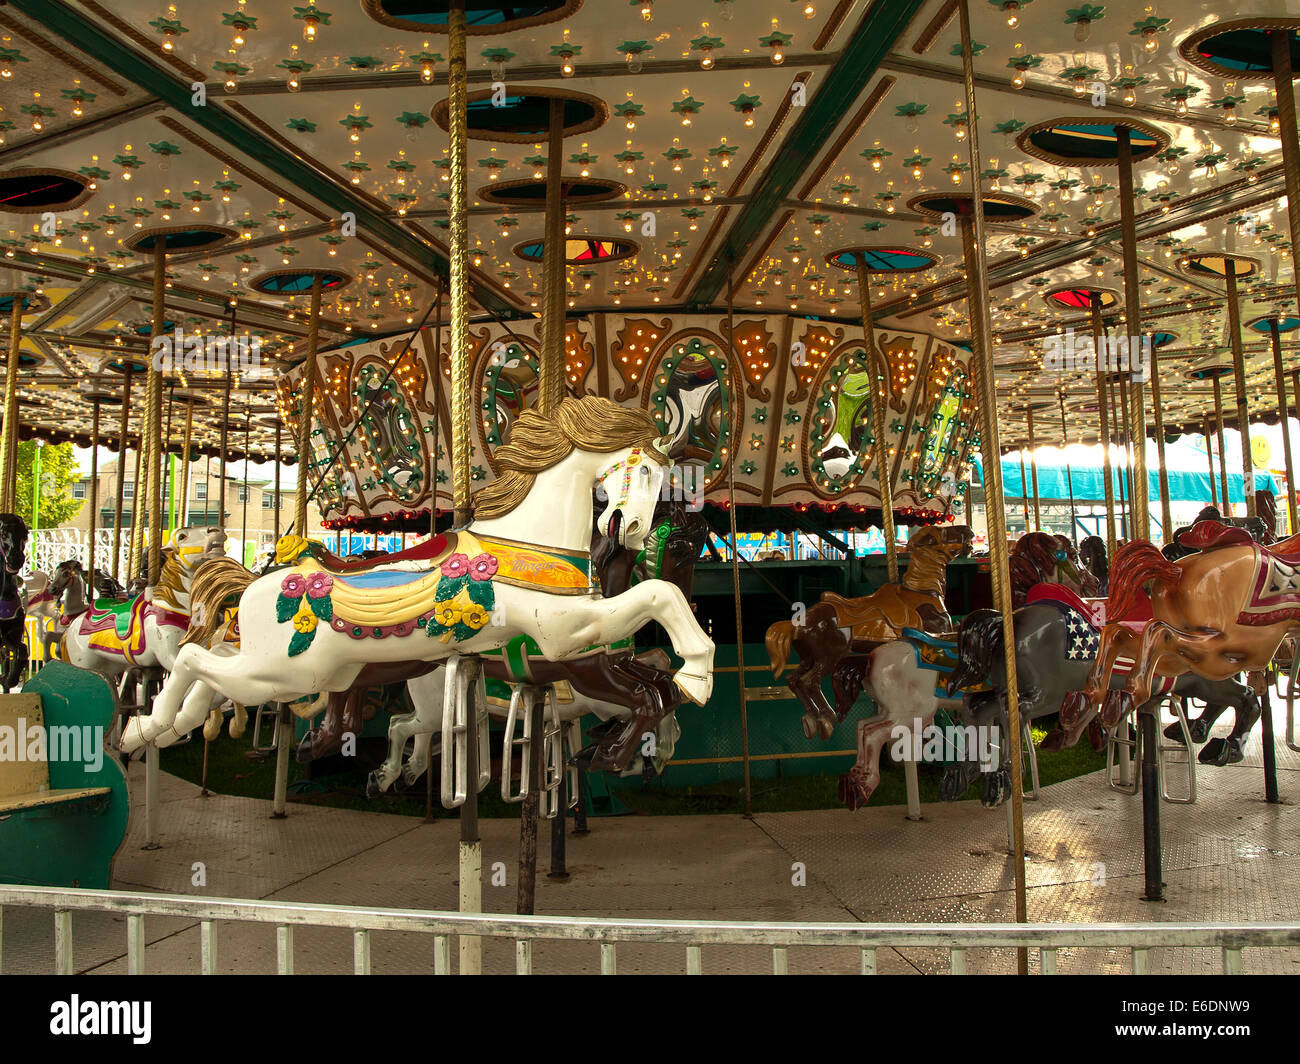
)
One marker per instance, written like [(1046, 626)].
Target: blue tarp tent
[(1186, 462)]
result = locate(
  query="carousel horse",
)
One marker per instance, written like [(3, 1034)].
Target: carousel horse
[(1092, 553), (13, 622), (146, 630), (907, 679), (1041, 557), (1260, 528), (62, 600), (836, 627), (1222, 610), (426, 694), (618, 677), (613, 682), (520, 568), (1056, 646)]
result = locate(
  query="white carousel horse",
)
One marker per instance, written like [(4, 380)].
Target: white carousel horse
[(513, 571), (146, 630), (425, 721)]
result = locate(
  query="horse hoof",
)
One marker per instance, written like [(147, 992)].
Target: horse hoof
[(953, 784), (373, 787), (303, 754), (1054, 740), (1074, 707), (1199, 729), (809, 723), (1114, 708), (1220, 752), (996, 790), (1175, 732), (1096, 737), (825, 727)]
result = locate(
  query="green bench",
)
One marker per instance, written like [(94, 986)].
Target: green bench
[(62, 819)]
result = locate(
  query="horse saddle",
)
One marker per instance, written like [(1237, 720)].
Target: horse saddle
[(106, 614), (1210, 535), (939, 656), (432, 550)]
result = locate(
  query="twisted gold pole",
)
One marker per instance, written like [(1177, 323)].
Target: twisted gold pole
[(973, 244), (877, 364), (8, 437), (1133, 326), (1239, 378), (1099, 344), (308, 407), (1223, 455), (1284, 416), (156, 502), (1158, 418), (123, 425), (551, 378), (462, 408), (1033, 466)]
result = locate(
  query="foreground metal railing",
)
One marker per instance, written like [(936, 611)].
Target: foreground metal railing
[(693, 935)]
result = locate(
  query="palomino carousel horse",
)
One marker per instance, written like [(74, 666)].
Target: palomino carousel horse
[(13, 624), (518, 569), (636, 683), (837, 627), (1218, 612), (147, 630)]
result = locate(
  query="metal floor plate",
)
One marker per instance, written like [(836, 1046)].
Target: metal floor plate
[(1230, 856)]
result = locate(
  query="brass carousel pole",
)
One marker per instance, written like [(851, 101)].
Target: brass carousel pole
[(1209, 453), (1133, 325), (1284, 416), (1024, 488), (1033, 466), (307, 405), (1158, 418), (94, 497), (735, 551), (1283, 84), (550, 391), (1223, 454), (184, 506), (154, 441), (1069, 478), (123, 426), (1099, 344), (974, 243), (1239, 377), (550, 388), (1126, 474), (137, 518), (884, 467), (9, 437), (471, 845)]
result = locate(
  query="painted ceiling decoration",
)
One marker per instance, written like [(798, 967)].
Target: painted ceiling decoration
[(712, 147)]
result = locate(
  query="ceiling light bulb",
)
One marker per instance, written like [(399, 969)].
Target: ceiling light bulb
[(1082, 29)]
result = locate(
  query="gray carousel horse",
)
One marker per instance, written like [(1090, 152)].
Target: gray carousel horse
[(1056, 646)]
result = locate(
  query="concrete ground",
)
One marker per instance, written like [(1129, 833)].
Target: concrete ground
[(1229, 857)]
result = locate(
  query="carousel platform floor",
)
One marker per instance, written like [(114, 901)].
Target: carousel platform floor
[(1231, 856)]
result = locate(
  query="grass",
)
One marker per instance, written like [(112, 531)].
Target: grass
[(234, 770)]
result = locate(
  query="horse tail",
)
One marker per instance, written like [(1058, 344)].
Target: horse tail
[(1137, 564), (778, 639), (214, 584), (979, 642)]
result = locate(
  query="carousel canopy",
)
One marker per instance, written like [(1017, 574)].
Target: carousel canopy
[(711, 148)]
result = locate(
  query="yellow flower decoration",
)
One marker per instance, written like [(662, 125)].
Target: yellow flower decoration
[(305, 621), (289, 548), (447, 613), (475, 616)]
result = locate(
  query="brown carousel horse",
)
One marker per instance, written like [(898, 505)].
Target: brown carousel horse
[(1220, 611), (836, 627), (619, 676)]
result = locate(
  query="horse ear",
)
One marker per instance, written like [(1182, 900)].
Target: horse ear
[(661, 445)]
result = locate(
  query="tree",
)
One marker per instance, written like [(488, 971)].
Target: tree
[(58, 472)]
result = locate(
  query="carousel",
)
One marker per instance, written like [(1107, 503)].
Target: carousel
[(784, 405)]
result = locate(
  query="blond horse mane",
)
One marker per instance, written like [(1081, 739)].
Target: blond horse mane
[(538, 442), (215, 581)]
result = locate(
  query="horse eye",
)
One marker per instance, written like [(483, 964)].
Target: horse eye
[(1060, 555)]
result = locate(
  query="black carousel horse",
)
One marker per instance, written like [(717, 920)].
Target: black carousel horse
[(13, 627), (1092, 552)]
